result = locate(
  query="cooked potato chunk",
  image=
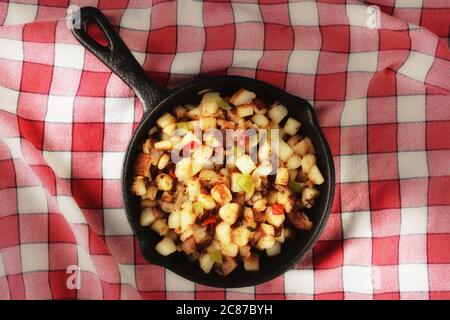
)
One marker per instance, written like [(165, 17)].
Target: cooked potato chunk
[(265, 242), (251, 263), (240, 236), (284, 151), (260, 120), (163, 145), (292, 126), (315, 176), (163, 161), (230, 250), (308, 161), (275, 220), (160, 227), (277, 113), (148, 216), (274, 250), (235, 187), (165, 120), (229, 212), (207, 123), (138, 187), (164, 182), (245, 164), (294, 162), (166, 246), (207, 201), (174, 221), (242, 97), (206, 262), (282, 177), (223, 232), (245, 110)]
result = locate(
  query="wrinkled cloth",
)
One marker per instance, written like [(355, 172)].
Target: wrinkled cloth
[(377, 73)]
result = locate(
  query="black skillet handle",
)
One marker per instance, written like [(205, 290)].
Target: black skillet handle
[(116, 56)]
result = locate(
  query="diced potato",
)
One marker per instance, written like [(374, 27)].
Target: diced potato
[(174, 220), (142, 165), (147, 145), (301, 148), (240, 235), (166, 246), (294, 162), (265, 242), (207, 123), (275, 220), (260, 205), (228, 265), (260, 120), (235, 187), (214, 246), (187, 219), (230, 250), (160, 227), (286, 199), (148, 216), (308, 196), (165, 120), (186, 234), (292, 126), (245, 164), (138, 187), (245, 251), (311, 148), (242, 96), (193, 188), (251, 263), (274, 250), (209, 105), (155, 155), (206, 262), (245, 110), (223, 232), (150, 194), (200, 234), (282, 177), (208, 175), (163, 161), (194, 113), (183, 169), (229, 212), (264, 151), (308, 161), (170, 129), (164, 182), (315, 175), (284, 151), (267, 229), (207, 201), (292, 141), (248, 217), (221, 194), (277, 113), (226, 124), (163, 145)]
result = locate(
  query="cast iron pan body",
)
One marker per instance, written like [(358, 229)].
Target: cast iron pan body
[(156, 101)]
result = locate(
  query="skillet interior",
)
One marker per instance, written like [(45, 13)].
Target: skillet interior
[(292, 250)]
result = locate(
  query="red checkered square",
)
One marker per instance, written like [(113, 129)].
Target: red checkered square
[(363, 40), (335, 38), (8, 175), (278, 37), (162, 40), (331, 62), (411, 136), (436, 130), (385, 281), (385, 251), (353, 140), (58, 136), (220, 37), (438, 164), (163, 15), (438, 248), (8, 201), (190, 39), (58, 283), (328, 254), (33, 228), (121, 248), (37, 285), (33, 71), (277, 79), (383, 84), (436, 215), (439, 191), (91, 142), (379, 199), (59, 229), (329, 112), (13, 80), (32, 52), (332, 137), (307, 38), (354, 197), (305, 84), (62, 255), (394, 39), (383, 166), (150, 277), (79, 168), (32, 131), (38, 103), (385, 223), (330, 86), (88, 109), (249, 35), (272, 289), (87, 193), (9, 235), (381, 110), (40, 32), (93, 84), (413, 249), (117, 136), (47, 178), (382, 138), (328, 280), (413, 192), (438, 277), (358, 252)]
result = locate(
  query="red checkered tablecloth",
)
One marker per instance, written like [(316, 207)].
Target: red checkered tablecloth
[(383, 100)]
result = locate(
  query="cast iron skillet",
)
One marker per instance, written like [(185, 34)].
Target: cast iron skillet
[(156, 101)]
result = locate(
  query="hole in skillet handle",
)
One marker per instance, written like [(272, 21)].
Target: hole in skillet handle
[(117, 56)]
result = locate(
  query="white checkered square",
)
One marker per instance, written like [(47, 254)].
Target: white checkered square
[(246, 58), (363, 61), (354, 168), (176, 283), (60, 162), (354, 113), (358, 15), (31, 200), (357, 279), (138, 19), (303, 13), (356, 224), (119, 110), (127, 274), (14, 147), (140, 57), (60, 109), (246, 12), (190, 13), (408, 3), (34, 257), (69, 56), (412, 164), (84, 260), (20, 13), (299, 281), (2, 267), (116, 223), (70, 210), (187, 63), (411, 108), (414, 220), (11, 49), (417, 66), (9, 100), (413, 277), (303, 61), (112, 164)]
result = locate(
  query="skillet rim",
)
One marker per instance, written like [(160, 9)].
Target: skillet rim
[(268, 275)]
